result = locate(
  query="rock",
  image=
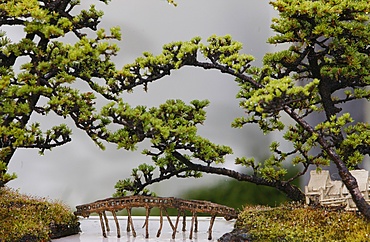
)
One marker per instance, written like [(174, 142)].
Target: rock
[(62, 230), (237, 235), (29, 238)]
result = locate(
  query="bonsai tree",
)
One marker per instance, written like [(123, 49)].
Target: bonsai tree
[(38, 70), (325, 66)]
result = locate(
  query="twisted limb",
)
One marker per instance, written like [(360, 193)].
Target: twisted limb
[(196, 224), (210, 227), (160, 222), (184, 221), (176, 223), (169, 219), (179, 212), (146, 224), (117, 224), (192, 225), (106, 221), (130, 223), (102, 225)]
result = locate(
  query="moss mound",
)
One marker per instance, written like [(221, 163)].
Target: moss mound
[(26, 218), (292, 222)]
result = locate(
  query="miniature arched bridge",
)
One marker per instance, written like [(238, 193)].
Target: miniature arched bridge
[(163, 203)]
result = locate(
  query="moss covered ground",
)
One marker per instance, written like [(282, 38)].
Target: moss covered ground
[(27, 218), (296, 222)]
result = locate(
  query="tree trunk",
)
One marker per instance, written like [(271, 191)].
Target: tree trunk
[(291, 191), (350, 183)]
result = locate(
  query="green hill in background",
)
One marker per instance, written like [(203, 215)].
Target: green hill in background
[(237, 194)]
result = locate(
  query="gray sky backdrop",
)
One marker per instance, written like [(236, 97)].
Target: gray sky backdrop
[(79, 172)]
